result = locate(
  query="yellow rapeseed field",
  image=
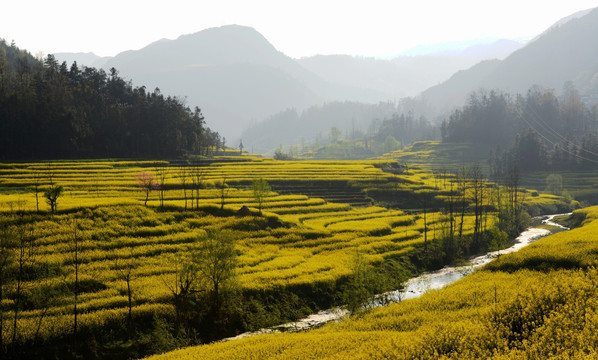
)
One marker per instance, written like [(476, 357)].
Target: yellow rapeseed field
[(313, 240), (538, 303)]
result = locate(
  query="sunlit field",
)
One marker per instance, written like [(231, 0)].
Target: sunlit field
[(538, 303), (300, 241)]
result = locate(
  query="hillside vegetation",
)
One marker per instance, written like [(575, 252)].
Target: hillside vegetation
[(50, 110)]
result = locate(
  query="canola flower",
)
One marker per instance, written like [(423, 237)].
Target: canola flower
[(532, 304), (315, 242)]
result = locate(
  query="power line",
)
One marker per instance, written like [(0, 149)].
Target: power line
[(539, 120), (554, 143)]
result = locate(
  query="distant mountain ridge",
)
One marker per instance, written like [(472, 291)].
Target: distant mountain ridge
[(87, 59), (497, 48), (237, 77), (405, 75), (567, 51), (232, 73)]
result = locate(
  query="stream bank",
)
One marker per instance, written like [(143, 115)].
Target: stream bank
[(415, 287)]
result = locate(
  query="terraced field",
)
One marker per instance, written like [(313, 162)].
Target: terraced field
[(537, 303), (301, 242), (440, 156), (581, 184)]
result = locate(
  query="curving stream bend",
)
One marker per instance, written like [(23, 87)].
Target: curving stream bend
[(416, 286)]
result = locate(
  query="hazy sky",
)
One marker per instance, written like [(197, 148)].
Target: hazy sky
[(296, 27)]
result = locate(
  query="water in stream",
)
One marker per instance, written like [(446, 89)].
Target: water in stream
[(416, 286)]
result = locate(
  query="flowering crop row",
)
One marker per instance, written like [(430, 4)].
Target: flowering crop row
[(538, 303), (314, 240)]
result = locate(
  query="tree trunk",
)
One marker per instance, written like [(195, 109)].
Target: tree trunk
[(425, 224), (185, 196), (130, 319), (18, 292), (36, 198), (1, 314), (39, 323), (76, 258)]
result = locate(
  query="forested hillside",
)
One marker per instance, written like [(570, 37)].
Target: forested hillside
[(538, 131), (355, 121), (50, 110)]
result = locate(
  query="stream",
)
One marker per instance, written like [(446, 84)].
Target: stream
[(416, 286)]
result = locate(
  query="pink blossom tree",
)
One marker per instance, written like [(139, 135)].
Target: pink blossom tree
[(146, 182)]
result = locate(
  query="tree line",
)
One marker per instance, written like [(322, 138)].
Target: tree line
[(469, 193), (538, 131), (51, 110), (405, 128)]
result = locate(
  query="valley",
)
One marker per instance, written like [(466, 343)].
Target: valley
[(416, 181)]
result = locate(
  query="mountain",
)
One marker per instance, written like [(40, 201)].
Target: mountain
[(232, 73), (238, 78), (452, 93), (566, 19), (87, 59), (293, 127), (567, 51), (395, 78), (498, 49), (406, 75)]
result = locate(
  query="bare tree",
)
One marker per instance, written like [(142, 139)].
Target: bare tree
[(182, 289), (25, 252), (162, 173), (74, 247), (44, 296), (462, 186), (425, 209), (512, 186), (478, 193), (146, 183), (37, 176), (451, 205), (50, 174), (8, 243), (512, 217), (224, 189), (125, 271), (197, 173), (184, 176), (261, 189)]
